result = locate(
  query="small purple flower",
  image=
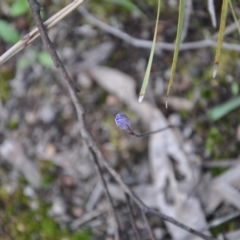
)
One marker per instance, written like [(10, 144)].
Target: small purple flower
[(123, 122)]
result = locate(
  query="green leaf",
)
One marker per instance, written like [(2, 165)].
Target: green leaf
[(49, 227), (178, 42), (45, 59), (8, 33), (235, 88), (23, 62), (128, 5), (19, 7), (223, 109), (147, 73), (220, 36), (84, 235), (5, 88), (12, 124)]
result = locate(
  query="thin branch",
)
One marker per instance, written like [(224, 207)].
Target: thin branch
[(110, 201), (148, 226), (132, 217), (35, 7), (94, 197), (217, 222), (228, 30), (84, 131), (220, 163), (142, 206), (86, 218), (147, 44)]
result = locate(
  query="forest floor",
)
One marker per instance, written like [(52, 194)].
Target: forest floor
[(48, 186)]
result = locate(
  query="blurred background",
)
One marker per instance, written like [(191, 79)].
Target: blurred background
[(48, 185)]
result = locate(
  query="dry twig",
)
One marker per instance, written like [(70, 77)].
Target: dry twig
[(132, 217), (110, 201), (86, 218), (150, 232), (221, 164), (148, 44)]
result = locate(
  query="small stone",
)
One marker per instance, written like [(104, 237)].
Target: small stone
[(20, 227), (31, 118), (47, 113), (68, 181), (34, 205), (140, 224), (158, 232), (187, 132), (111, 100), (77, 212), (84, 81), (29, 191), (58, 207), (51, 149)]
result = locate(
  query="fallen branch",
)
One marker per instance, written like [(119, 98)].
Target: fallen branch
[(136, 42)]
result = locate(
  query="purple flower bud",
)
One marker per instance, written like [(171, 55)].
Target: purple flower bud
[(123, 122)]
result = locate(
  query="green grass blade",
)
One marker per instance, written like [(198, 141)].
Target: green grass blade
[(127, 4), (223, 109), (178, 42), (220, 35), (234, 16), (147, 73)]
